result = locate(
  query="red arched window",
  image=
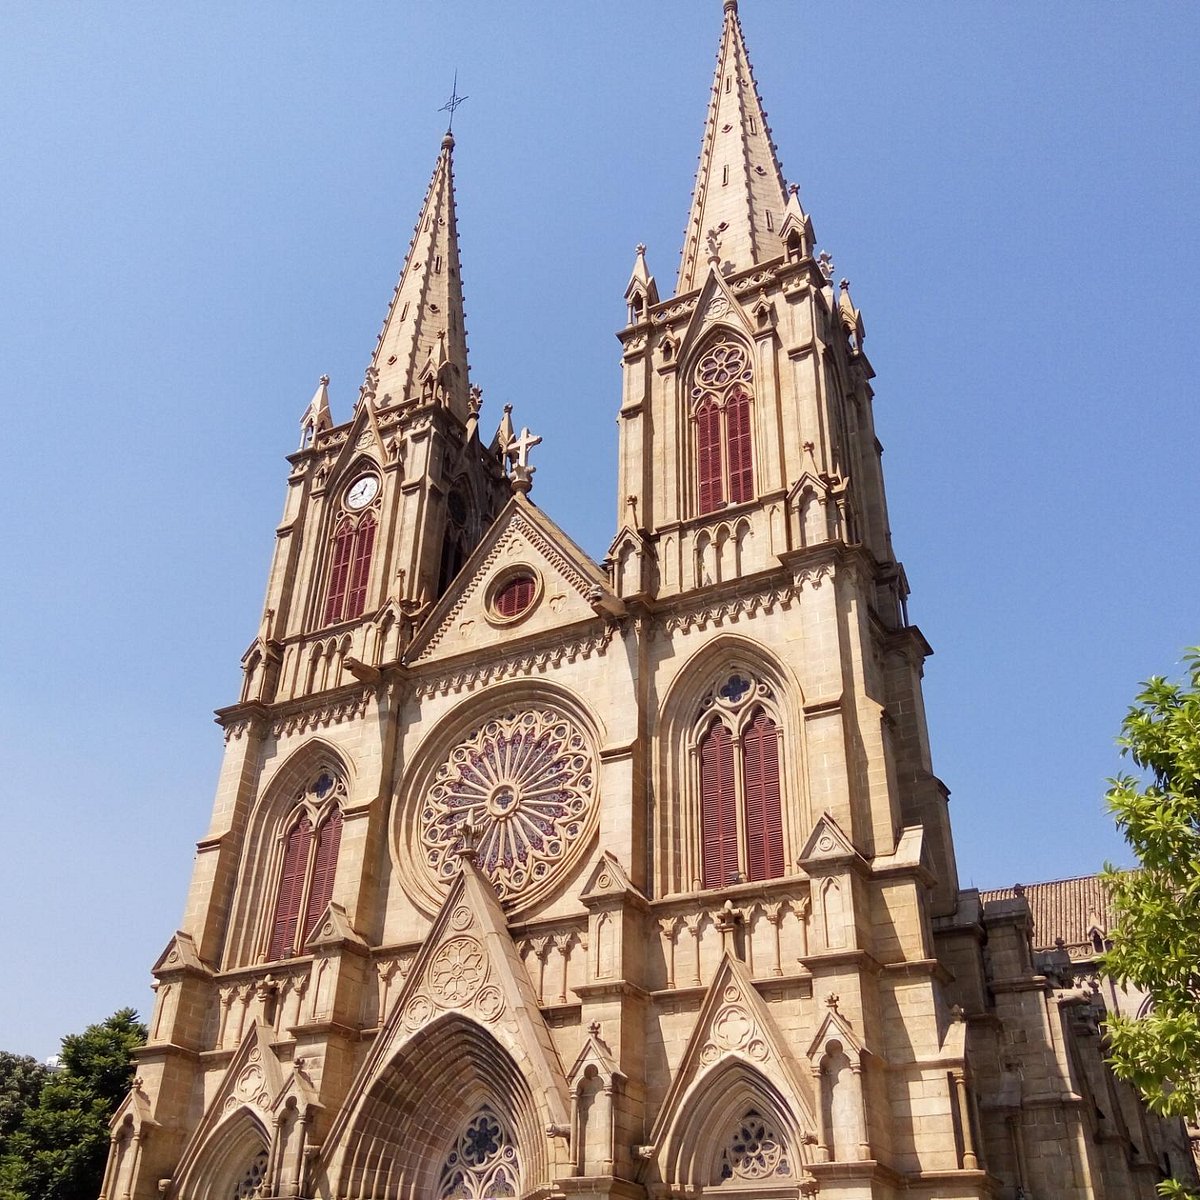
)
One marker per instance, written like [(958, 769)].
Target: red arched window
[(291, 888), (350, 570), (708, 455), (718, 808), (761, 805), (320, 891), (721, 399), (364, 546), (737, 446), (339, 571)]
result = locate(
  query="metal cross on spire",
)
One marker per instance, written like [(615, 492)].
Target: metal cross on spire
[(451, 104)]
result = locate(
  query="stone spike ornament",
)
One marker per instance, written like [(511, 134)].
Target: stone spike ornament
[(738, 205), (421, 354)]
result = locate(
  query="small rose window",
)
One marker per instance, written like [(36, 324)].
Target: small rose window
[(514, 595)]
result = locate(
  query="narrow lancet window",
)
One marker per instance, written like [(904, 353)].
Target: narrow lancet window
[(722, 401)]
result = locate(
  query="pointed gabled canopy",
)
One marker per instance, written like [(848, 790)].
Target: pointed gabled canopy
[(737, 208), (423, 347)]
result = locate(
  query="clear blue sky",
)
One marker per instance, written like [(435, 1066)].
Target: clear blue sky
[(204, 207)]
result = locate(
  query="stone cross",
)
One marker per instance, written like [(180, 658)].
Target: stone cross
[(523, 445)]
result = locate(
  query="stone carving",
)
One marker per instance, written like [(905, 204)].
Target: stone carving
[(733, 1029), (527, 781), (457, 971), (755, 1151), (483, 1162)]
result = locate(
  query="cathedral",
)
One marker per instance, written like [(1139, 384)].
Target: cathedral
[(532, 876)]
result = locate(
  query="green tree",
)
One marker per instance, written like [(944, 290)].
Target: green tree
[(1156, 939), (21, 1080), (57, 1150)]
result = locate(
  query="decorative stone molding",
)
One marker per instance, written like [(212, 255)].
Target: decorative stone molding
[(322, 716), (532, 662)]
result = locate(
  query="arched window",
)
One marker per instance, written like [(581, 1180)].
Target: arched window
[(721, 399), (741, 810), (310, 843), (482, 1165), (753, 1151), (352, 550)]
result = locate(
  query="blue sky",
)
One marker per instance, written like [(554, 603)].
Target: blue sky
[(204, 208)]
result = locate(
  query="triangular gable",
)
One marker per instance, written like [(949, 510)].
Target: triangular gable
[(716, 305), (733, 1022), (134, 1110), (570, 587), (180, 955), (608, 878), (253, 1080), (333, 928), (597, 1053), (828, 844), (835, 1026), (468, 965)]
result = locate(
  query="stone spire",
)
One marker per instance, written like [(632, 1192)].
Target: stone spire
[(422, 351), (738, 205)]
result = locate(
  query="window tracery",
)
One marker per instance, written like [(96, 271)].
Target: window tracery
[(721, 396), (741, 811), (754, 1151), (483, 1163), (525, 781), (311, 839), (253, 1178)]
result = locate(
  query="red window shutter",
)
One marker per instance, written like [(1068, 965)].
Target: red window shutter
[(364, 545), (320, 892), (718, 808), (291, 889), (515, 596), (737, 441), (708, 456), (339, 571), (764, 818)]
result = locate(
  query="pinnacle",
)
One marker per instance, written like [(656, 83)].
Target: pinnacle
[(421, 352), (739, 198)]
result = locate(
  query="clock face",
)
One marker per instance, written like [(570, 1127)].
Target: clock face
[(362, 491)]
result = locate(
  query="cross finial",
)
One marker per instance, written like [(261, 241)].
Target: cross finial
[(451, 104), (523, 445)]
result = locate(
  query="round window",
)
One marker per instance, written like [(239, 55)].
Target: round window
[(514, 595)]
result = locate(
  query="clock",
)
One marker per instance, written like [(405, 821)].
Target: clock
[(362, 491)]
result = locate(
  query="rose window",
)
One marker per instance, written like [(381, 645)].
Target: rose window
[(755, 1151), (525, 782), (483, 1163), (725, 363)]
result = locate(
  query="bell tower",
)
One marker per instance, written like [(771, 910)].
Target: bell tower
[(748, 454), (382, 511)]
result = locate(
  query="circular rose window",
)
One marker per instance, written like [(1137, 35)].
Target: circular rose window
[(515, 595), (526, 782)]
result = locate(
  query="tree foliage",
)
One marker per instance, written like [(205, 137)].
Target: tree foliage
[(21, 1080), (57, 1149), (1156, 939)]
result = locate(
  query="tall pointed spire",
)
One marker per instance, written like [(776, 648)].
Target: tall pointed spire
[(422, 350), (738, 205)]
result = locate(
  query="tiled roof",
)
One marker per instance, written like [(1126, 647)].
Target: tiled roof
[(1062, 908)]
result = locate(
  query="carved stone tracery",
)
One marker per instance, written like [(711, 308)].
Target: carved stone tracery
[(527, 782)]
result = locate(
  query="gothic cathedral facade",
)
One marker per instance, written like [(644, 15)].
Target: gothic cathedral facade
[(531, 876)]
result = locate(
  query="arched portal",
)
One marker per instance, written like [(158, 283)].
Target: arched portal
[(427, 1100), (734, 1127)]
